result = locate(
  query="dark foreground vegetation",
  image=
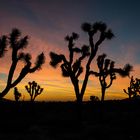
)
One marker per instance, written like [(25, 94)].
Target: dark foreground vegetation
[(109, 120)]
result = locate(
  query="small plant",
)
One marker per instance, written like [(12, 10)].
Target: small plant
[(134, 88), (17, 94), (33, 89), (94, 98)]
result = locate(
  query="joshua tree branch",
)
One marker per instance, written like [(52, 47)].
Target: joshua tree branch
[(111, 81), (22, 74), (94, 73)]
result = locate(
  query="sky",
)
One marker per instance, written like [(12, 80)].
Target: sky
[(47, 22)]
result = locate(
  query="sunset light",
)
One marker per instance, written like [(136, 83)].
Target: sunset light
[(48, 22)]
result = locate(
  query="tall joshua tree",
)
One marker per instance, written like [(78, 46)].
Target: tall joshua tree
[(107, 72), (33, 89), (72, 67), (17, 43)]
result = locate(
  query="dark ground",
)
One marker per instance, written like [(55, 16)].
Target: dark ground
[(111, 120)]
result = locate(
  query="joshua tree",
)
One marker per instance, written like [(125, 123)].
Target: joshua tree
[(17, 43), (17, 94), (107, 72), (72, 67), (134, 88), (33, 89)]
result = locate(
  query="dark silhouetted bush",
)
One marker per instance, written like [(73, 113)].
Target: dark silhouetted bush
[(17, 94)]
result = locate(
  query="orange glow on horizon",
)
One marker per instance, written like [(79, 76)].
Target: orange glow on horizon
[(57, 88)]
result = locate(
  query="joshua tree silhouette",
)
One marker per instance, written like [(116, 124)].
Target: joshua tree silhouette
[(16, 43), (17, 94), (134, 88), (107, 72), (33, 89), (72, 67)]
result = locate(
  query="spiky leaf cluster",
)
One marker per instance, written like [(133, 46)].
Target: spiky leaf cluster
[(55, 59), (98, 26), (26, 57), (74, 36), (40, 60), (126, 70), (16, 41)]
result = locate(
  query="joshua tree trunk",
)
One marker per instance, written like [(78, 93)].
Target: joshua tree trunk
[(9, 81), (31, 99), (79, 99), (103, 94)]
